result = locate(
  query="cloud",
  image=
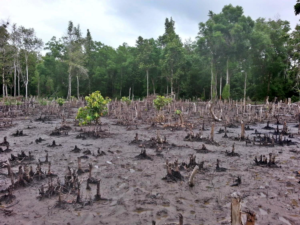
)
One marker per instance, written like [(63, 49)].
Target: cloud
[(116, 21)]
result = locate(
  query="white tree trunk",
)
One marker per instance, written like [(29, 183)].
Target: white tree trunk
[(15, 78), (26, 81), (227, 72)]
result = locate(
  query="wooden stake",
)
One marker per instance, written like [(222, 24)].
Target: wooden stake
[(236, 211), (212, 131), (242, 130)]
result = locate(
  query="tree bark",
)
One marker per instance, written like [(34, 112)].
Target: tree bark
[(171, 81), (19, 92), (213, 84), (3, 82), (153, 86), (211, 81), (227, 72), (235, 212), (15, 78), (26, 81), (38, 86), (69, 86), (245, 87), (121, 82), (269, 80), (18, 81), (89, 84), (167, 89), (147, 74), (220, 88), (77, 87)]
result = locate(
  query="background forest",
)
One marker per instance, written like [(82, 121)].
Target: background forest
[(233, 56)]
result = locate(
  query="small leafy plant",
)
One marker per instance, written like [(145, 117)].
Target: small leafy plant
[(96, 107), (43, 102), (161, 101), (226, 92), (126, 100), (177, 112), (60, 101), (8, 102)]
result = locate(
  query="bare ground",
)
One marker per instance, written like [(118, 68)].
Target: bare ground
[(133, 189)]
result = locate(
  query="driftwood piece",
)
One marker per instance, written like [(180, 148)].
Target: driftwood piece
[(191, 180), (213, 115), (236, 211)]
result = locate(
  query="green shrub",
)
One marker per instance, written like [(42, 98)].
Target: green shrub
[(295, 98), (60, 101), (43, 102), (177, 112), (8, 102), (96, 107), (226, 92), (126, 100), (161, 101)]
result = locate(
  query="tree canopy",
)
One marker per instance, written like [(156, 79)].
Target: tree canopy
[(233, 56)]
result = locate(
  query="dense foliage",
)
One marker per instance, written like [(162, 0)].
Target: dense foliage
[(96, 107), (161, 101), (231, 53)]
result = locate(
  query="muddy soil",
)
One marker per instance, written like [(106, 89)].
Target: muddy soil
[(133, 191)]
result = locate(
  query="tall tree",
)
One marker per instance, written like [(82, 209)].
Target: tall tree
[(30, 44), (16, 42), (172, 53), (75, 56), (89, 47), (210, 44), (145, 57)]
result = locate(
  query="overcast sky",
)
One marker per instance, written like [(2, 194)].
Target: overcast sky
[(116, 21)]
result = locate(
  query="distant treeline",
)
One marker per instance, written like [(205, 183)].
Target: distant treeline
[(233, 57)]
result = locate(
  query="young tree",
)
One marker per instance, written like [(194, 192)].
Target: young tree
[(16, 42), (30, 43), (210, 44), (4, 54), (145, 57), (89, 48), (172, 52), (75, 56)]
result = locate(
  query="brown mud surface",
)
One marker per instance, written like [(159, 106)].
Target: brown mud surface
[(132, 189)]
